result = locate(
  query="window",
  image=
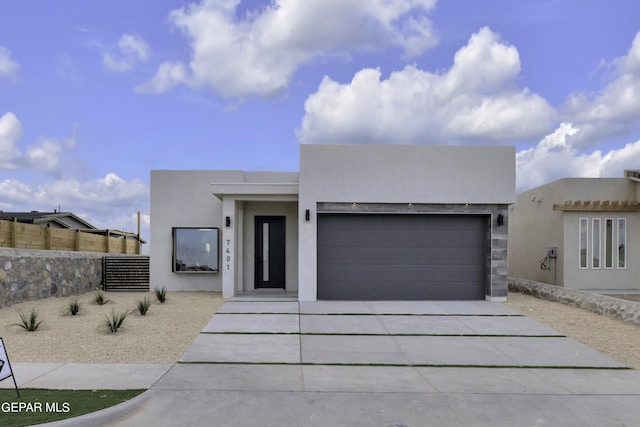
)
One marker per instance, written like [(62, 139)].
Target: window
[(595, 243), (584, 225), (608, 243), (195, 250), (622, 241)]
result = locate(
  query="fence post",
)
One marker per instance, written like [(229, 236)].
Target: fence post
[(48, 242), (14, 233), (77, 248)]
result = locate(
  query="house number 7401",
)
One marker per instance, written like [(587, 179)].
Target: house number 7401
[(227, 253)]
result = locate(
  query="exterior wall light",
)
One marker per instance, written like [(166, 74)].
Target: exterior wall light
[(307, 215), (500, 219), (227, 221)]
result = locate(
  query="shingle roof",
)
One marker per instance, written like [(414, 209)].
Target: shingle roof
[(36, 216)]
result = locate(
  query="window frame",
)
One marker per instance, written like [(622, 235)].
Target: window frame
[(624, 242), (596, 243), (583, 233), (215, 256), (608, 249)]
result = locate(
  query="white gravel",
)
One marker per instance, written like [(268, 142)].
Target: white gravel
[(168, 329), (615, 338), (161, 336)]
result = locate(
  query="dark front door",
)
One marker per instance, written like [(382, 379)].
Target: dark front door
[(270, 253)]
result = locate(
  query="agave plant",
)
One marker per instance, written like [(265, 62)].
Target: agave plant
[(143, 306), (115, 321), (73, 308), (29, 322), (161, 294), (100, 299)]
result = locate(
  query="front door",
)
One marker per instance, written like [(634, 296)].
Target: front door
[(270, 252)]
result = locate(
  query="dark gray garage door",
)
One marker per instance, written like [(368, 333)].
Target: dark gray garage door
[(401, 257)]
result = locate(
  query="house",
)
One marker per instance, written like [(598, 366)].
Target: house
[(580, 233), (357, 222), (48, 219)]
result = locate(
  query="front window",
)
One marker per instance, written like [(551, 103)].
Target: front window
[(195, 250)]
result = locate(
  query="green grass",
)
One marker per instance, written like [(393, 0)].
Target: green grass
[(161, 294), (29, 322), (74, 402)]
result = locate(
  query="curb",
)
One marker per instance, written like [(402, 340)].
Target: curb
[(627, 311), (102, 416)]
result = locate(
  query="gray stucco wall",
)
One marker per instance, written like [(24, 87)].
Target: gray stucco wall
[(182, 199), (454, 176), (27, 275), (535, 226)]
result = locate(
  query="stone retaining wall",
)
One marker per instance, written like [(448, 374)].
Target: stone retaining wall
[(27, 275), (628, 311)]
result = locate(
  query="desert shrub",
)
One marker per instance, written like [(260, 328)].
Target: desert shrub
[(143, 306), (73, 308), (29, 322), (114, 321), (100, 299), (161, 294)]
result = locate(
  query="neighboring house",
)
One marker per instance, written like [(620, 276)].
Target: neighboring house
[(357, 222), (580, 233), (48, 219)]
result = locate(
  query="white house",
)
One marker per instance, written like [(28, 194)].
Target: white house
[(580, 233), (357, 222)]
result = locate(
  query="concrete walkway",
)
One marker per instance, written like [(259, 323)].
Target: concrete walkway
[(379, 364)]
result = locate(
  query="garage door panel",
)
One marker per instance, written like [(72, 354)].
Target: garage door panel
[(401, 257), (395, 273), (441, 238), (409, 291)]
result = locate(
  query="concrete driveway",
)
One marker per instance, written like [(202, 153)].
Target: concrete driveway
[(284, 363)]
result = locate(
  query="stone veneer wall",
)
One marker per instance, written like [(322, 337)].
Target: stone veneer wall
[(27, 275), (628, 311)]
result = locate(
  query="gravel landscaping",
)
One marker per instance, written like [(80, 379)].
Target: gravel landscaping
[(613, 337), (159, 337), (168, 329)]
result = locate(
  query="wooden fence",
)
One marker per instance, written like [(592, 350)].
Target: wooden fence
[(19, 235)]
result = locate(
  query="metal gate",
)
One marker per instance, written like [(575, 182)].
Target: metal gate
[(126, 273)]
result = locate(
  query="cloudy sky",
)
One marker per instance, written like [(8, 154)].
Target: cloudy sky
[(94, 95)]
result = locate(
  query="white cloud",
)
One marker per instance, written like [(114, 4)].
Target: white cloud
[(132, 49), (108, 202), (477, 99), (257, 54), (555, 157), (8, 67), (10, 133), (613, 110), (43, 156)]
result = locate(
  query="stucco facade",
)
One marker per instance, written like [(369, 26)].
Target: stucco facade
[(593, 222), (351, 180)]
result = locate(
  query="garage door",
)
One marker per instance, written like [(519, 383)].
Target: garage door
[(401, 257)]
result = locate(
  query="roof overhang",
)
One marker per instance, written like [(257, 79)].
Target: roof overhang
[(240, 189)]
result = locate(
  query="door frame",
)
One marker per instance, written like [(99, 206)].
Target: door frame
[(277, 258)]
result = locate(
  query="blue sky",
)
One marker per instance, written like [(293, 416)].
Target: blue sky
[(94, 95)]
